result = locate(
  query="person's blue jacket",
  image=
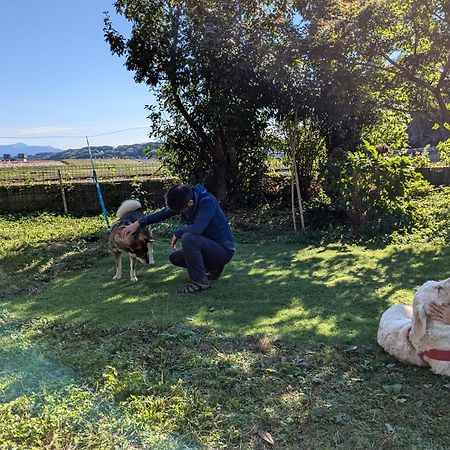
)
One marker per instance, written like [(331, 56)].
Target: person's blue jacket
[(206, 218)]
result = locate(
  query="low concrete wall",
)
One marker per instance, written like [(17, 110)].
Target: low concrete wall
[(81, 198), (437, 176)]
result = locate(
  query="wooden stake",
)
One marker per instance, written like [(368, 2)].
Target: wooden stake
[(299, 195), (63, 193), (292, 129), (293, 203)]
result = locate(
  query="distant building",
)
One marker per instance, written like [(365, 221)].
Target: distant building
[(22, 157), (6, 157)]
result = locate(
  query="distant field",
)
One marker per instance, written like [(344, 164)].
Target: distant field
[(74, 170), (110, 162)]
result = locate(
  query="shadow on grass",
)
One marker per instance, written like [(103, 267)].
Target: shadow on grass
[(326, 294), (27, 268), (234, 388)]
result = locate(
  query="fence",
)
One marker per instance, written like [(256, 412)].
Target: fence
[(432, 153), (80, 198), (75, 192), (437, 176), (62, 187), (57, 172)]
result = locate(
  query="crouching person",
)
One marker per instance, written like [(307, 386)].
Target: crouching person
[(207, 243)]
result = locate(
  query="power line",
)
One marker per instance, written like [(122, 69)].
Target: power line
[(118, 131), (71, 137)]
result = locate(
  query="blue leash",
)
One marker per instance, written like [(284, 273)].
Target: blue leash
[(97, 186)]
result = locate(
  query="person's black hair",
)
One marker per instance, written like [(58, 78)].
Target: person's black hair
[(178, 197)]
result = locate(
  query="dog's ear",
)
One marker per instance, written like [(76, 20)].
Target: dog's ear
[(419, 322), (443, 286), (443, 291)]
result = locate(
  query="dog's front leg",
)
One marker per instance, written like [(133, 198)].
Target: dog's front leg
[(151, 259), (118, 260), (133, 264)]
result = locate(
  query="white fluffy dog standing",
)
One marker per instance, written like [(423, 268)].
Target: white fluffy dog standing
[(410, 335)]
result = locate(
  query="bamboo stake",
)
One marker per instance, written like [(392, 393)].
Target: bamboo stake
[(292, 146), (300, 203), (292, 128), (293, 203)]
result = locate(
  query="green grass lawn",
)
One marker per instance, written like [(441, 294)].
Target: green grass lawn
[(280, 353), (326, 294)]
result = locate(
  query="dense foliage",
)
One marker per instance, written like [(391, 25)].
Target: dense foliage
[(220, 70), (224, 72), (204, 62), (391, 127), (404, 46), (377, 192)]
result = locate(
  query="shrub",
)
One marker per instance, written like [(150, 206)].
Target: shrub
[(311, 153), (421, 158), (375, 191), (444, 151), (390, 129), (277, 189)]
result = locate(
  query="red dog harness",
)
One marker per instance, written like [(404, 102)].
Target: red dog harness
[(439, 355), (433, 353)]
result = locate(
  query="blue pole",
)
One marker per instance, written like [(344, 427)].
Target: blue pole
[(97, 186)]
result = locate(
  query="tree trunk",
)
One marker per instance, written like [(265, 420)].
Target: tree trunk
[(219, 171), (232, 169), (444, 113)]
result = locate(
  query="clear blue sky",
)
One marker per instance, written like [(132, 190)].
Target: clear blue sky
[(58, 77)]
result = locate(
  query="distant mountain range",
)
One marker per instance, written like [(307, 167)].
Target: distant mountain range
[(20, 147), (99, 152)]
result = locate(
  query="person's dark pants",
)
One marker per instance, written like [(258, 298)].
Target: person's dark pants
[(200, 255)]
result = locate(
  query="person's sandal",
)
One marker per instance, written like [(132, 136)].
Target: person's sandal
[(193, 287)]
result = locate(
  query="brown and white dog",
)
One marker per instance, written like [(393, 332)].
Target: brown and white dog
[(409, 334), (138, 245)]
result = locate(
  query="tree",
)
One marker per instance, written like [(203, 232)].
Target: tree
[(207, 63), (403, 44)]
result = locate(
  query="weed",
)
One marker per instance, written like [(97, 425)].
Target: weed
[(280, 353)]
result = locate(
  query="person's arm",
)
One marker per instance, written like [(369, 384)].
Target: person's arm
[(156, 217), (206, 210), (440, 312)]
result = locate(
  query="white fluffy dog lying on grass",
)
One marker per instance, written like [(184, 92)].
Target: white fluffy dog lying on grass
[(412, 336)]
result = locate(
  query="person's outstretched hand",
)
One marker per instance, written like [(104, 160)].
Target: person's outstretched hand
[(126, 231), (440, 312)]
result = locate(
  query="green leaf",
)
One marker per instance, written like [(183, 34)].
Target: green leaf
[(393, 389)]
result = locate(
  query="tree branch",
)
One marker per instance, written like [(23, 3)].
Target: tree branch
[(435, 14), (372, 66), (173, 82), (184, 112), (409, 75), (444, 73)]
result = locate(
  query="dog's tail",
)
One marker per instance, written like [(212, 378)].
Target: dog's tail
[(126, 207)]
